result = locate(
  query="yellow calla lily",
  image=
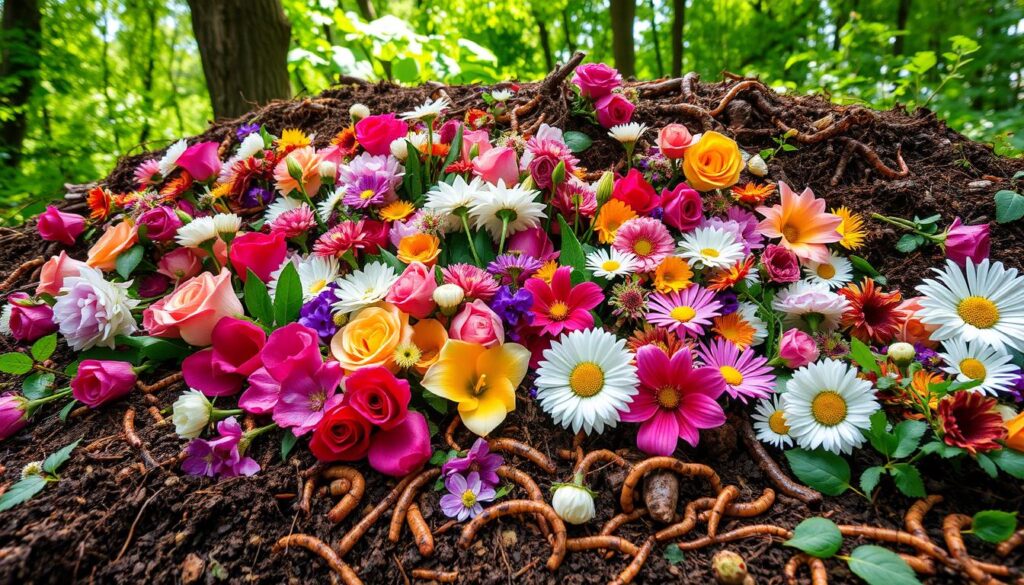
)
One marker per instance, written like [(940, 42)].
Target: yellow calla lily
[(481, 380)]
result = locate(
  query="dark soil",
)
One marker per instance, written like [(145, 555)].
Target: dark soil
[(151, 527)]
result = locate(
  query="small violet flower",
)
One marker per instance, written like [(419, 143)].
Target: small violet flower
[(478, 459), (223, 456), (464, 496)]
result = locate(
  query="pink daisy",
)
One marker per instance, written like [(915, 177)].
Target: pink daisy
[(347, 235), (745, 374), (675, 401), (294, 222), (476, 283), (561, 306), (647, 239), (147, 172), (685, 312)]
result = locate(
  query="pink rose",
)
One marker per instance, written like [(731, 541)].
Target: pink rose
[(481, 139), (159, 224), (291, 348), (193, 309), (673, 140), (376, 133), (636, 192), (497, 164), (220, 370), (259, 252), (13, 414), (56, 226), (30, 320), (683, 207), (413, 291), (477, 323), (201, 160), (56, 269), (797, 349), (100, 381), (781, 264), (533, 242), (180, 264), (614, 109), (401, 450), (966, 242), (596, 80), (912, 330)]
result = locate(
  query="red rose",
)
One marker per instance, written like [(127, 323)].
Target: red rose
[(636, 192), (613, 110), (261, 253), (342, 435), (376, 133), (377, 395)]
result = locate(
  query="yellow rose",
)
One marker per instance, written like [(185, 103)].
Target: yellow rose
[(713, 163), (1015, 432), (371, 338)]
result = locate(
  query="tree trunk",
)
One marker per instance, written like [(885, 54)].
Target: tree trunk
[(678, 28), (244, 48), (657, 42), (366, 10), (622, 13), (545, 43), (570, 41), (21, 34), (902, 14)]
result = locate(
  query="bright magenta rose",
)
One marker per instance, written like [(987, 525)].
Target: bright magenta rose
[(29, 320), (614, 109), (636, 192), (797, 349), (259, 252), (193, 309), (376, 133), (966, 242), (497, 164), (413, 292), (100, 381), (781, 264), (222, 369), (201, 160), (683, 206), (403, 449), (378, 395), (290, 348), (596, 80), (477, 323), (56, 226)]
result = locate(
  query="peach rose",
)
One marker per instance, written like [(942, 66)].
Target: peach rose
[(497, 164), (308, 161), (713, 163), (912, 330), (193, 309), (112, 243), (673, 140), (371, 338), (56, 269)]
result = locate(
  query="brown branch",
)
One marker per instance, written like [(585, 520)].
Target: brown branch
[(135, 441), (319, 547), (520, 507), (556, 77), (19, 272), (770, 468)]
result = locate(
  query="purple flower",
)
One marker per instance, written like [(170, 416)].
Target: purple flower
[(478, 459), (245, 130), (730, 303), (257, 197), (513, 308), (366, 191), (742, 224), (220, 457), (306, 396), (464, 496), (513, 269), (317, 315), (386, 167)]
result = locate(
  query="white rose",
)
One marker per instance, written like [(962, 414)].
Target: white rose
[(399, 149), (573, 503), (358, 112), (191, 414)]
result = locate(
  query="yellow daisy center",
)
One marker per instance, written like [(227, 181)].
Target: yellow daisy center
[(366, 194), (586, 379), (709, 252), (668, 397), (318, 285), (468, 498), (558, 311), (643, 247), (791, 233), (973, 369), (407, 355), (683, 314), (777, 423), (733, 377), (826, 271), (610, 265), (979, 312), (828, 408)]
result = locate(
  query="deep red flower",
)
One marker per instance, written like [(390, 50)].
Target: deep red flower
[(873, 315), (970, 421)]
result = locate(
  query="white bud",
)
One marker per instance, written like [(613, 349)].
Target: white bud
[(358, 112), (399, 149), (448, 297), (32, 468), (191, 414), (902, 353), (757, 166), (328, 170), (573, 503)]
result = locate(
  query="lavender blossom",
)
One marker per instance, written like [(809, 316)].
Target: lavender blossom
[(464, 496), (317, 315), (513, 269), (513, 308), (478, 459), (223, 456)]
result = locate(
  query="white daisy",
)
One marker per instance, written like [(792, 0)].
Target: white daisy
[(399, 148), (227, 223), (711, 247), (428, 111), (770, 423), (609, 263), (984, 301), (810, 307), (453, 200), (364, 287), (501, 95), (196, 232), (326, 207), (748, 311), (586, 379), (828, 406), (627, 133), (169, 161), (315, 274), (279, 206), (496, 202), (834, 274), (974, 360), (251, 145)]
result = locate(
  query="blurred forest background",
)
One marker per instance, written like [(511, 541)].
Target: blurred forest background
[(83, 82)]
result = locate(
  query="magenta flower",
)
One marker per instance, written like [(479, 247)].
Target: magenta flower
[(464, 496), (676, 400), (745, 374), (478, 459), (686, 312), (561, 306), (306, 396), (223, 456)]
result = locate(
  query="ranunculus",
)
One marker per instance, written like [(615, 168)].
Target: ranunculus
[(342, 435), (378, 395), (481, 139), (55, 225), (201, 160), (683, 207), (180, 264), (375, 133), (636, 192), (259, 252), (912, 330), (291, 348), (222, 369), (797, 349), (100, 381), (781, 264), (371, 337), (713, 163), (116, 240), (966, 242), (596, 80), (29, 320), (533, 242), (614, 109), (477, 323), (307, 161), (497, 164), (193, 309), (403, 449), (673, 140), (56, 269), (414, 290), (13, 414), (160, 224)]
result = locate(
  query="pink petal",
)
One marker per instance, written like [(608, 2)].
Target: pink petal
[(653, 366), (403, 449), (701, 411), (262, 395), (643, 407), (202, 372), (659, 435)]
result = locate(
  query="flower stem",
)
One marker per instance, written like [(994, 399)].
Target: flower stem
[(309, 202), (43, 368), (50, 398), (218, 414), (504, 231), (463, 215)]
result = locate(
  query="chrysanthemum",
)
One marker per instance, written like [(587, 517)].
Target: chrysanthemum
[(659, 337), (572, 196), (610, 263), (752, 194), (367, 191), (983, 301), (828, 406), (978, 361), (169, 161), (291, 139), (851, 228), (873, 316), (397, 210), (629, 299), (802, 223), (746, 374), (585, 379), (810, 307), (627, 133), (227, 224), (673, 274), (98, 200), (196, 232), (368, 164), (729, 277), (734, 329), (710, 247), (646, 238), (610, 218), (315, 274), (347, 235), (294, 222), (476, 282), (364, 287), (279, 206), (515, 206), (513, 269), (770, 423), (561, 306), (686, 312), (970, 421), (833, 273), (428, 110)]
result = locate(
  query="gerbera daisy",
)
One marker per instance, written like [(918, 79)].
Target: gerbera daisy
[(397, 210), (752, 194), (711, 247), (610, 218), (851, 228), (453, 201), (729, 277), (810, 307), (147, 173), (745, 374), (428, 111), (970, 421), (585, 379), (802, 223), (562, 306), (475, 282), (977, 361), (873, 316), (315, 274), (98, 200), (572, 196), (174, 188), (291, 139), (834, 272), (346, 141), (734, 329), (770, 423), (673, 274), (627, 133), (610, 263), (647, 239), (347, 235), (367, 191), (686, 312), (828, 406), (364, 287), (629, 299), (503, 210)]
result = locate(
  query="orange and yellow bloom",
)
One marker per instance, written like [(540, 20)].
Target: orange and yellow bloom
[(802, 223)]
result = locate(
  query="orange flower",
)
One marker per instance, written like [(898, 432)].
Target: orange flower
[(752, 193), (429, 336), (371, 338), (308, 161), (713, 163), (176, 186), (547, 271), (673, 274), (346, 141), (912, 330), (657, 336), (397, 210), (98, 200), (613, 214), (873, 315), (112, 243), (802, 223), (419, 248), (1015, 432), (437, 149), (729, 277), (733, 327)]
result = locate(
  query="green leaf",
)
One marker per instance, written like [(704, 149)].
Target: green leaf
[(413, 183), (406, 70), (71, 369), (52, 463), (572, 252), (908, 480), (909, 433), (288, 441), (484, 246), (37, 385), (128, 261), (865, 267), (870, 478), (43, 348), (880, 566), (673, 554), (455, 150), (257, 299), (577, 141), (15, 363), (994, 526), (391, 260), (908, 243), (288, 296), (881, 439), (987, 465), (22, 491), (823, 471), (942, 449), (436, 402), (1009, 460), (861, 354), (64, 412), (156, 349), (1009, 206), (818, 537)]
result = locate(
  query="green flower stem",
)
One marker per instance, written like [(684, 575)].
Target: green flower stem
[(464, 216), (217, 414), (309, 202), (908, 225), (43, 368), (208, 247), (249, 436), (32, 404), (504, 230), (629, 146)]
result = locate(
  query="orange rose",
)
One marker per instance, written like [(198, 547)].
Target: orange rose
[(112, 243), (419, 248), (193, 309), (371, 338), (1015, 432), (713, 163)]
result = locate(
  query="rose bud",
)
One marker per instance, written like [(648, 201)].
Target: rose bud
[(100, 381), (191, 414), (56, 226), (13, 414), (902, 353), (29, 320)]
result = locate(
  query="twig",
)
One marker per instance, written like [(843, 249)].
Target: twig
[(556, 77), (134, 440), (131, 529), (19, 272)]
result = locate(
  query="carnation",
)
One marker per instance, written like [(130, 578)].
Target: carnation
[(91, 311)]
